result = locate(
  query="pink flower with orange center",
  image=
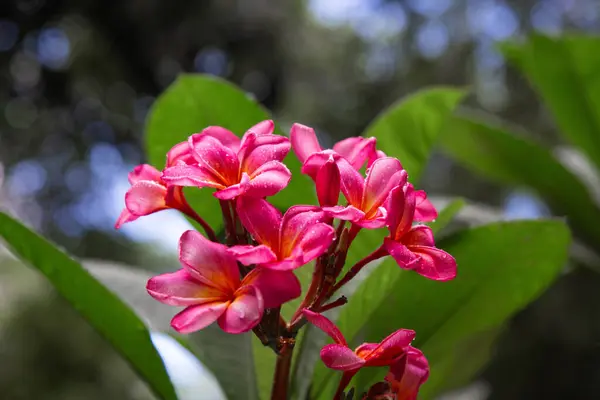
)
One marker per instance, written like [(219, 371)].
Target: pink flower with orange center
[(250, 166), (210, 288)]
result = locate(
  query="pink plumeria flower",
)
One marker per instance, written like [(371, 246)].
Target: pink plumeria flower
[(413, 247), (408, 374), (250, 166), (356, 150), (340, 357), (210, 288), (285, 242), (366, 196), (149, 193)]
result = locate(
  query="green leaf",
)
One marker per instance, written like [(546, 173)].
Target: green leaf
[(189, 105), (501, 268), (446, 215), (506, 158), (102, 309), (566, 72), (409, 129)]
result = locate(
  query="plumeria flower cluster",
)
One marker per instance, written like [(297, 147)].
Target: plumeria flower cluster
[(241, 283)]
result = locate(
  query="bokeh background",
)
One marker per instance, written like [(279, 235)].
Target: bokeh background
[(77, 78)]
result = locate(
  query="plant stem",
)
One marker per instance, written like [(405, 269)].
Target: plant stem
[(380, 252), (230, 236), (282, 370)]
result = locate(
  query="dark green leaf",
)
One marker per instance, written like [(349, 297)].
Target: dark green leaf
[(566, 72), (501, 267), (103, 310), (409, 129), (499, 155)]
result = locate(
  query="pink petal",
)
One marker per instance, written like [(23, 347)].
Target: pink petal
[(144, 172), (304, 141), (325, 324), (296, 223), (191, 175), (384, 175), (208, 262), (268, 179), (352, 182), (265, 127), (125, 217), (197, 317), (419, 235), (408, 374), (315, 241), (424, 210), (375, 221), (340, 357), (261, 219), (276, 287), (244, 313), (374, 156), (390, 348), (315, 161), (233, 191), (225, 136), (401, 210), (328, 183), (181, 289), (180, 153), (434, 263), (405, 258), (356, 150), (216, 158), (145, 197), (349, 213), (258, 150), (249, 255)]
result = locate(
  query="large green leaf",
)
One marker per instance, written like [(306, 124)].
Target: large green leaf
[(102, 309), (501, 267), (408, 130), (504, 157), (446, 215), (566, 72), (189, 105)]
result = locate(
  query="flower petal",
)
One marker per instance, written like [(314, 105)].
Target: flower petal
[(375, 221), (315, 161), (405, 258), (216, 158), (257, 150), (261, 219), (265, 127), (294, 226), (356, 150), (125, 217), (420, 235), (197, 317), (276, 287), (208, 262), (314, 242), (340, 357), (434, 263), (349, 213), (145, 197), (144, 172), (180, 289), (401, 211), (328, 183), (191, 175), (268, 179), (180, 153), (424, 210), (390, 348), (233, 191), (325, 324), (244, 313), (408, 374), (352, 182), (304, 141), (225, 136), (249, 255), (384, 175)]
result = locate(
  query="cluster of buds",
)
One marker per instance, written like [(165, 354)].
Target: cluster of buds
[(242, 283)]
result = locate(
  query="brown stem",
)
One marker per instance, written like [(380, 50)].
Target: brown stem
[(336, 303), (189, 211), (380, 252), (228, 220), (282, 370)]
